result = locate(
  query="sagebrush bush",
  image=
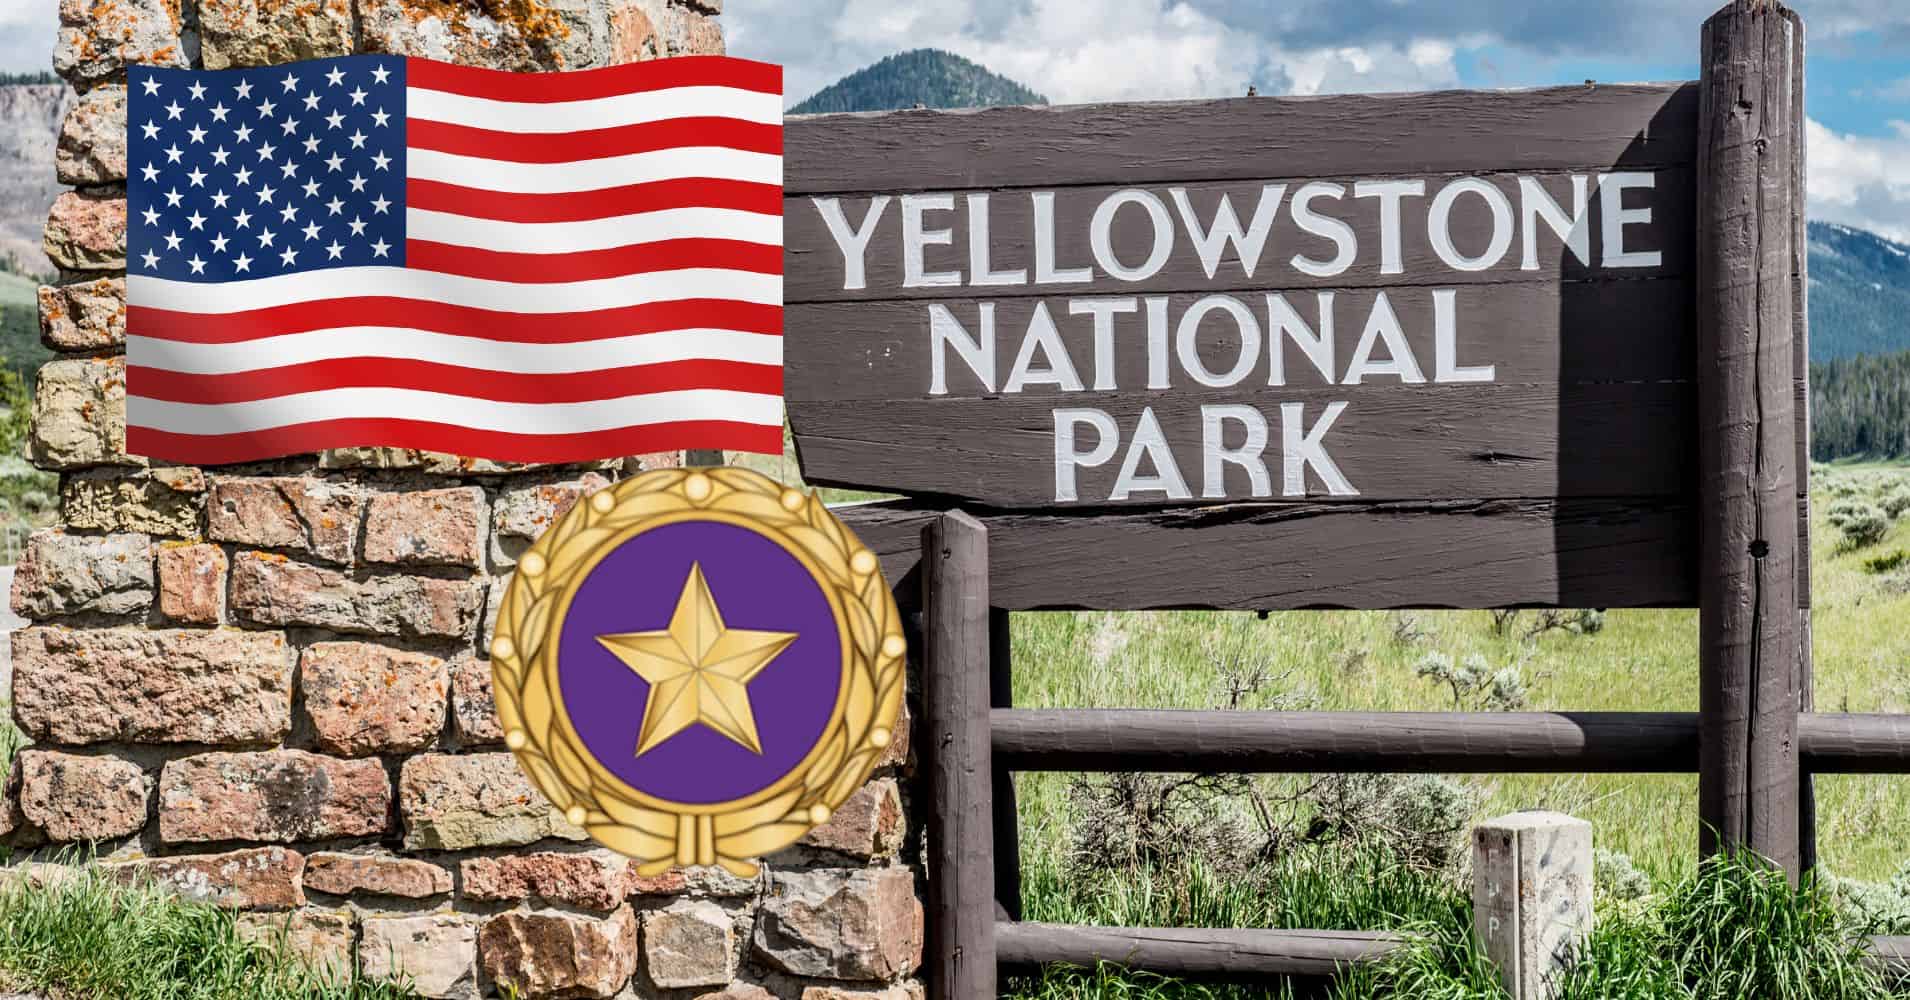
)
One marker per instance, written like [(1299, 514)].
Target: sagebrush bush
[(1895, 502), (1475, 685), (1862, 524)]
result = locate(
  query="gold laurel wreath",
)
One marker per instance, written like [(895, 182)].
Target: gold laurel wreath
[(524, 654)]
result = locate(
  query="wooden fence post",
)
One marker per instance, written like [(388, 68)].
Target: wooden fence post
[(1750, 656), (961, 850), (1001, 694)]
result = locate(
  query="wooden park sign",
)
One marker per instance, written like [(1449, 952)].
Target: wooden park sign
[(1470, 349), (1480, 300), (1384, 298)]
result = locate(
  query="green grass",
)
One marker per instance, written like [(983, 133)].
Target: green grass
[(1639, 661), (1721, 932), (92, 936)]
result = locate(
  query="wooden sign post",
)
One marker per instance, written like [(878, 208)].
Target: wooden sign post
[(1469, 349)]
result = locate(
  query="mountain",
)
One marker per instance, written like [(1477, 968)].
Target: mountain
[(1860, 293), (29, 124), (929, 77)]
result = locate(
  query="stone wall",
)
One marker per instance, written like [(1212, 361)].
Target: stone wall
[(266, 686)]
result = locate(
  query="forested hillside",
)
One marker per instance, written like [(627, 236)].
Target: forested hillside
[(929, 77), (1860, 407), (1860, 293)]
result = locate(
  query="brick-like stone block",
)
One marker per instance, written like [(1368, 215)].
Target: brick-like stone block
[(73, 798), (428, 527), (61, 574), (738, 991), (522, 515), (100, 38), (261, 878), (92, 143), (15, 831), (271, 590), (897, 991), (554, 34), (76, 686), (79, 414), (315, 517), (848, 925), (473, 703), (689, 32), (375, 875), (691, 942), (323, 938), (84, 315), (86, 229), (268, 32), (896, 754), (588, 881), (633, 34), (164, 502), (363, 698), (437, 951), (869, 824), (276, 796), (560, 954), (192, 582), (713, 881), (451, 803)]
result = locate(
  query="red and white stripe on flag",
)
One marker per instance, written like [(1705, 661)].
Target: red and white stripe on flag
[(397, 252)]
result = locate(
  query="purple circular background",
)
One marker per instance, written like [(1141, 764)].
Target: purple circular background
[(757, 585)]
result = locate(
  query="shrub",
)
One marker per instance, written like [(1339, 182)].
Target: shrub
[(1614, 875), (1886, 563), (1896, 502), (1475, 685), (1417, 818), (1864, 527)]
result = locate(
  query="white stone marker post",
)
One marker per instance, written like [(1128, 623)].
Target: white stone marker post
[(1532, 896)]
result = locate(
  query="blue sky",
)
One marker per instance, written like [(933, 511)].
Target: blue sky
[(1096, 50), (1100, 50)]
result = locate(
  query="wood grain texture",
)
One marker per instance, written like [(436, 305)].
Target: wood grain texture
[(814, 265), (1451, 132), (1001, 694), (961, 910), (1628, 439), (1854, 744), (1530, 332), (1749, 778), (1197, 952), (1471, 554), (1345, 742), (1890, 956)]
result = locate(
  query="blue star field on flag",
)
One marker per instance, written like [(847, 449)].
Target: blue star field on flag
[(249, 173)]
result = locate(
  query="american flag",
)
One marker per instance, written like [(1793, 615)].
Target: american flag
[(381, 250)]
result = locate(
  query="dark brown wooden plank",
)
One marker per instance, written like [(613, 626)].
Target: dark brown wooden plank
[(1542, 332), (1800, 373), (1001, 694), (1450, 132), (1471, 554), (1346, 742), (1196, 952), (1890, 956), (1390, 443), (1854, 744), (1749, 777), (814, 264), (961, 912)]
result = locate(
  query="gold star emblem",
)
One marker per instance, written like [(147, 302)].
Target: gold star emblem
[(698, 669)]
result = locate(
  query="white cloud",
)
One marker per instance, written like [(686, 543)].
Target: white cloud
[(1082, 50), (1861, 181), (27, 32)]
